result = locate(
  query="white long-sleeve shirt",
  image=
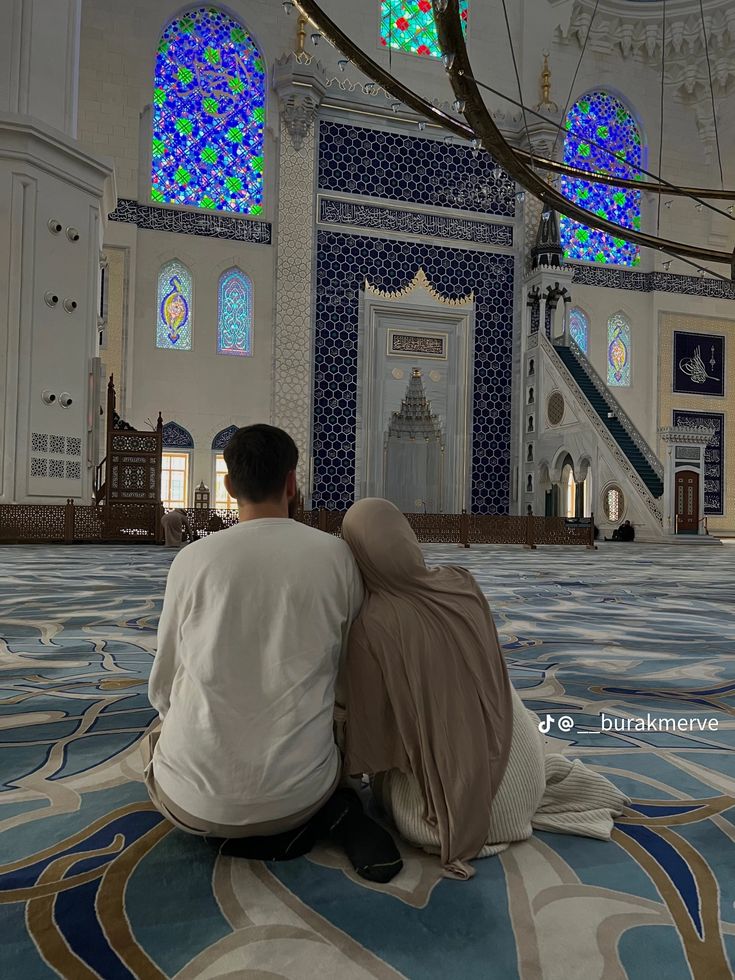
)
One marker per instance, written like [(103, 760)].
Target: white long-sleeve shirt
[(254, 621)]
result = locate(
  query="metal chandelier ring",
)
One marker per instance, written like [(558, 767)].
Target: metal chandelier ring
[(482, 127)]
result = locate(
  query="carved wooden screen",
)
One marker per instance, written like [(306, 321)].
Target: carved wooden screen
[(133, 485)]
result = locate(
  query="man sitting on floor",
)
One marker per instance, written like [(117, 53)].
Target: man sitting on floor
[(626, 532), (254, 622)]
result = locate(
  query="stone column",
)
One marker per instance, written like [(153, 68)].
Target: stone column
[(55, 197), (300, 85)]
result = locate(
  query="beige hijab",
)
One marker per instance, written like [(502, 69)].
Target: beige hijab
[(424, 681)]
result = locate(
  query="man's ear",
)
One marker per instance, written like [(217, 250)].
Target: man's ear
[(228, 485), (291, 487)]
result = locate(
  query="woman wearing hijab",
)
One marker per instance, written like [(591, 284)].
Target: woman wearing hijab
[(431, 713)]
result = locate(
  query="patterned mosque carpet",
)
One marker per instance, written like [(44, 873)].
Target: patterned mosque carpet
[(94, 883)]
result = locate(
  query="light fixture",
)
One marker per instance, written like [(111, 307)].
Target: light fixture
[(315, 39), (448, 61), (459, 105), (699, 207), (667, 204), (666, 265), (369, 88), (440, 6), (342, 64), (476, 144), (447, 139), (521, 197), (497, 173), (288, 6), (731, 209), (421, 125), (395, 106)]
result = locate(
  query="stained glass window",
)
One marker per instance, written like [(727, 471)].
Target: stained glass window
[(173, 330), (579, 328), (408, 25), (235, 313), (601, 118), (618, 350), (208, 115)]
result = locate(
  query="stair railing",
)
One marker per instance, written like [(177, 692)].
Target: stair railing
[(614, 405), (602, 430)]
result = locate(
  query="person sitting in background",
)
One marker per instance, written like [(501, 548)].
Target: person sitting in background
[(626, 532), (430, 712), (254, 622), (176, 528)]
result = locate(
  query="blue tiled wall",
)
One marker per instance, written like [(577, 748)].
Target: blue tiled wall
[(343, 263), (413, 169)]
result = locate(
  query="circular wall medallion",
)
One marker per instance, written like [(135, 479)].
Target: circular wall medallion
[(397, 374), (555, 408)]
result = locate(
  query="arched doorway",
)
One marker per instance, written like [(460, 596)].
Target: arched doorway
[(687, 502)]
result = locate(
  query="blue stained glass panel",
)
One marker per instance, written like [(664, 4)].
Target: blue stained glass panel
[(173, 329), (579, 328), (618, 351), (208, 115), (602, 137), (235, 314)]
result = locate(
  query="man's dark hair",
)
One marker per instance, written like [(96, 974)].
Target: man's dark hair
[(259, 458)]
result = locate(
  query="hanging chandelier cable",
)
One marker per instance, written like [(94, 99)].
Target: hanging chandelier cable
[(574, 78), (483, 130), (664, 186), (661, 115), (518, 80), (711, 92)]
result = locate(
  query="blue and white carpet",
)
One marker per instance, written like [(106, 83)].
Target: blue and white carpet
[(93, 883)]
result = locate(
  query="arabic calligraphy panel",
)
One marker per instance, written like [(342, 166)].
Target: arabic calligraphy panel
[(699, 364)]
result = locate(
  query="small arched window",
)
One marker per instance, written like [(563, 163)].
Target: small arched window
[(208, 115), (408, 25), (235, 313), (618, 350), (602, 137), (173, 329), (579, 328)]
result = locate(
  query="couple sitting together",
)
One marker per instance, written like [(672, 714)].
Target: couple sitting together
[(289, 661)]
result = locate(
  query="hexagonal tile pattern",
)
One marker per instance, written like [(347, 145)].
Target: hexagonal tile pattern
[(344, 261), (399, 167)]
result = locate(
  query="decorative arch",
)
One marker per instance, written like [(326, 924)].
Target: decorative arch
[(175, 436), (602, 136), (235, 313), (409, 26), (579, 328), (174, 306), (618, 350), (223, 437), (208, 114)]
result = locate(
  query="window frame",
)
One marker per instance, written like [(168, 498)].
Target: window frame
[(265, 214), (184, 454), (633, 267), (231, 504)]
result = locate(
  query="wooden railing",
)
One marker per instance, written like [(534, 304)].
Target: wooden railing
[(70, 522)]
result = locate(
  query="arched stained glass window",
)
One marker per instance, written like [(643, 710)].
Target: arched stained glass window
[(408, 25), (602, 137), (579, 328), (173, 330), (235, 313), (618, 350), (208, 115)]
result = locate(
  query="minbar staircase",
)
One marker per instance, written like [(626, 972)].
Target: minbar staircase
[(606, 411)]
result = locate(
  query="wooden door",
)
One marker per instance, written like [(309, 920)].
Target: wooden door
[(687, 502)]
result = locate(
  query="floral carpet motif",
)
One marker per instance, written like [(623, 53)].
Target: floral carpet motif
[(94, 883)]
